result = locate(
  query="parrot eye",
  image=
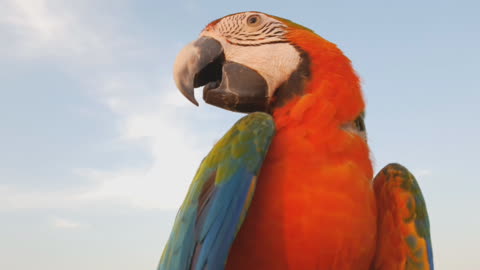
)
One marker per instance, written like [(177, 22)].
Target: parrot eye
[(253, 20)]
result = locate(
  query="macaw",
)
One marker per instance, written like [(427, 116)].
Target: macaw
[(290, 185)]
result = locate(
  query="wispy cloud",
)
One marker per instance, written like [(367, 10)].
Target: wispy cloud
[(34, 19), (154, 121), (39, 27), (422, 173), (14, 198), (145, 106), (64, 223)]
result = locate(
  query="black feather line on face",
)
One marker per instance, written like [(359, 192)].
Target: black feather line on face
[(253, 39), (237, 27), (256, 34), (259, 44), (264, 27), (232, 28), (270, 30)]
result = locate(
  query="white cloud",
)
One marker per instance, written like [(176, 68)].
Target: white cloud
[(11, 198), (422, 173), (34, 17), (55, 29), (162, 184), (15, 199), (154, 121), (64, 223), (146, 109)]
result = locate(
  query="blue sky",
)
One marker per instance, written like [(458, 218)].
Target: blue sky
[(98, 147)]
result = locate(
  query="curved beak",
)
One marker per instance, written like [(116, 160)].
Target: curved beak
[(190, 63), (228, 85)]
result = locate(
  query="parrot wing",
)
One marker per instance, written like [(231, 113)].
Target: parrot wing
[(219, 197), (403, 226)]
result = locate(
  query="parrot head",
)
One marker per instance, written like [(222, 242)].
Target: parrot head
[(245, 61), (252, 61)]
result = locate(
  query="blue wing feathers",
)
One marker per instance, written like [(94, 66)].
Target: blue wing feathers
[(219, 230), (207, 222)]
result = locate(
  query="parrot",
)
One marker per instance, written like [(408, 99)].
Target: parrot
[(291, 185)]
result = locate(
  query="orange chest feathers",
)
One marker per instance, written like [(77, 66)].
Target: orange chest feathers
[(314, 206), (309, 211)]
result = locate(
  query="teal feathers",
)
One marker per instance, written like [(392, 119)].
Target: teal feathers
[(219, 196)]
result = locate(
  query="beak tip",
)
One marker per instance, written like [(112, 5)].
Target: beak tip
[(191, 97), (186, 88), (194, 102)]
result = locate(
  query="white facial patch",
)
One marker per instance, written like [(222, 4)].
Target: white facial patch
[(262, 48), (275, 62)]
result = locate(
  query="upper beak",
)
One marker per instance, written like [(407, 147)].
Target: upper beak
[(190, 66), (228, 84)]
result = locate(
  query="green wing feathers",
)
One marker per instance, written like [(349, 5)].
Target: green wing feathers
[(219, 197), (403, 225)]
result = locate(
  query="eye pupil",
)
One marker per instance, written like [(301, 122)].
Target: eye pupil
[(253, 20)]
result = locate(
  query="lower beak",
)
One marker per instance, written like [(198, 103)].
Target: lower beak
[(228, 85)]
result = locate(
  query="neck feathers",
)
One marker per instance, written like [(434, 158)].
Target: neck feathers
[(326, 114), (325, 88)]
